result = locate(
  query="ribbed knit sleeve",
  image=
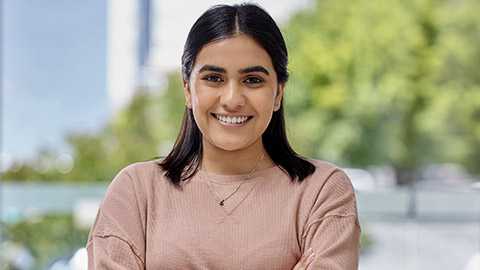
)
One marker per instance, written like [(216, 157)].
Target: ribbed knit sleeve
[(333, 230), (146, 222), (117, 238)]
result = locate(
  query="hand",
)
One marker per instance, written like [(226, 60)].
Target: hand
[(305, 261)]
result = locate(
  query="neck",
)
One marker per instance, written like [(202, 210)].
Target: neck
[(218, 161)]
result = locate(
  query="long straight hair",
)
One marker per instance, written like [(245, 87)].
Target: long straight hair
[(221, 22)]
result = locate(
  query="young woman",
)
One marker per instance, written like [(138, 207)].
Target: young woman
[(232, 194)]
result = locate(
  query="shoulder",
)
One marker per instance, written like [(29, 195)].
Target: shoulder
[(142, 171), (138, 176), (141, 168), (327, 172), (332, 189), (132, 187)]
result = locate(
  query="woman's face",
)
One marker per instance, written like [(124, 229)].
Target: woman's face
[(233, 91)]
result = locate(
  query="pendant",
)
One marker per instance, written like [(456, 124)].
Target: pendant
[(221, 202)]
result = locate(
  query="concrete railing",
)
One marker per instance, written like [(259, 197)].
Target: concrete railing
[(20, 200)]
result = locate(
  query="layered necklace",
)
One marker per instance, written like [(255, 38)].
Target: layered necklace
[(222, 200)]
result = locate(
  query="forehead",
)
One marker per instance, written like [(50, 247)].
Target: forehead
[(239, 51)]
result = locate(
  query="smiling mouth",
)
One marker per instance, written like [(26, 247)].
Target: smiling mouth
[(232, 120)]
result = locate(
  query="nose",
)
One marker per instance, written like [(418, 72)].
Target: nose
[(233, 97)]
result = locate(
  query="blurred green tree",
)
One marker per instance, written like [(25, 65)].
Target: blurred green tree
[(386, 82), (49, 238), (372, 82), (144, 130)]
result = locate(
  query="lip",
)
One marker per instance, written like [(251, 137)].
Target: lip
[(249, 117)]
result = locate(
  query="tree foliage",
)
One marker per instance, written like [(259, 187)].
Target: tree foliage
[(373, 82), (392, 82), (377, 82), (144, 130), (48, 238)]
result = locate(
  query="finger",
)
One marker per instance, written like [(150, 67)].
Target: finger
[(305, 260), (310, 259), (305, 255)]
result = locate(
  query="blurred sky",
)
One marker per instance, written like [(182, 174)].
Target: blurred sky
[(54, 66), (53, 72)]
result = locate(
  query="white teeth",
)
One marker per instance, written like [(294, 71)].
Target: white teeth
[(232, 120)]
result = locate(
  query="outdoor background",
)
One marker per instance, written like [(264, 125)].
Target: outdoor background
[(388, 90)]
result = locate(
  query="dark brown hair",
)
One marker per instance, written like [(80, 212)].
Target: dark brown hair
[(219, 22)]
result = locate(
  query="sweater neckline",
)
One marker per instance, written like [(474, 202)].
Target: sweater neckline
[(226, 184), (222, 179)]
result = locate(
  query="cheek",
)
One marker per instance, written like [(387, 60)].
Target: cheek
[(265, 102), (195, 97), (200, 101), (201, 104)]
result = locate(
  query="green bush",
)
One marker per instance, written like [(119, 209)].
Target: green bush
[(48, 238)]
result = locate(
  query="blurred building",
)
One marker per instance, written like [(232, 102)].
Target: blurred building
[(146, 37), (127, 48)]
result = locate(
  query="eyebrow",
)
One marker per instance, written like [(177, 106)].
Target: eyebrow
[(241, 71), (254, 69), (212, 68)]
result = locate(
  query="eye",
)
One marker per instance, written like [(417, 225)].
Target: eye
[(213, 78), (253, 80)]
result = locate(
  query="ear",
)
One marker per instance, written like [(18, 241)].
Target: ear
[(278, 98), (188, 96)]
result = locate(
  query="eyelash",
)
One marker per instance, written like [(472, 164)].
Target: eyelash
[(213, 78), (256, 80), (248, 80)]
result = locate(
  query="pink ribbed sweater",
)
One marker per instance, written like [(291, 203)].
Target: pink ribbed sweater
[(145, 222)]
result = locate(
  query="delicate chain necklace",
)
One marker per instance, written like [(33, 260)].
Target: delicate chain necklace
[(222, 200)]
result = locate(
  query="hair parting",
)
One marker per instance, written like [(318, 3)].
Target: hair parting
[(220, 22)]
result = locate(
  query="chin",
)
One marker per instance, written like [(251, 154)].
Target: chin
[(230, 146)]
